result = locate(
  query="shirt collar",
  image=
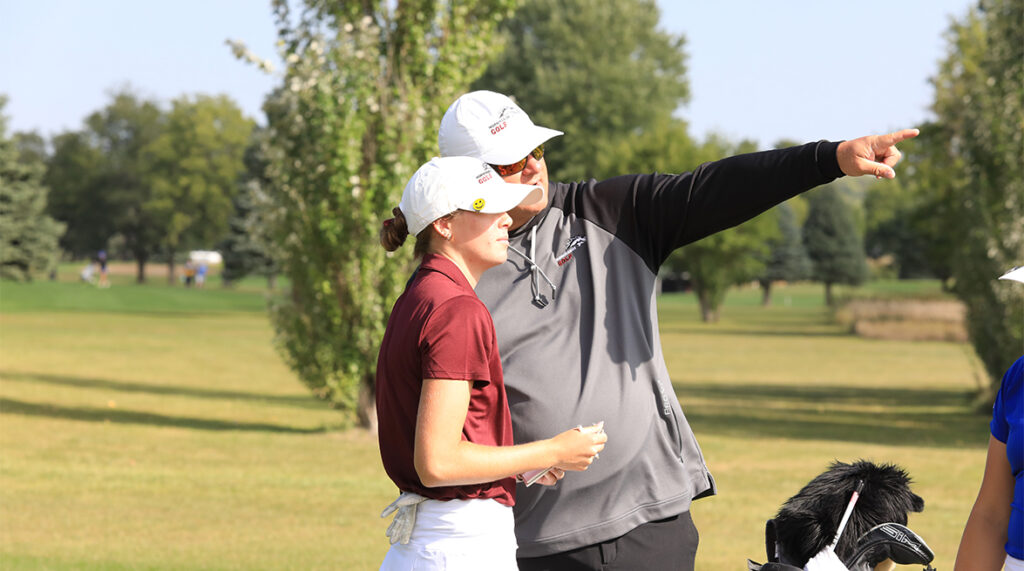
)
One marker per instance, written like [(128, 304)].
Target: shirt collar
[(445, 267)]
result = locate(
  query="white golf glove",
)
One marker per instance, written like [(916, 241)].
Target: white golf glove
[(400, 529), (825, 560)]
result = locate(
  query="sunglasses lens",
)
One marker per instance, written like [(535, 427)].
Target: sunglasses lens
[(507, 170)]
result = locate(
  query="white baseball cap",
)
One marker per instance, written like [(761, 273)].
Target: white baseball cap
[(1016, 274), (491, 127), (447, 184)]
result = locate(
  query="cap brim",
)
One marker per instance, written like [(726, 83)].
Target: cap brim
[(503, 197), (512, 148), (1016, 274)]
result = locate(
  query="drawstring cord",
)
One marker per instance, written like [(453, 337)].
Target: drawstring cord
[(538, 299)]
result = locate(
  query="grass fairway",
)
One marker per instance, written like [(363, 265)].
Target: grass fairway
[(156, 428), (775, 394)]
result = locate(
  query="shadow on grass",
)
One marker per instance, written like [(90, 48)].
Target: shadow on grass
[(92, 414), (888, 416), (128, 387), (766, 332)]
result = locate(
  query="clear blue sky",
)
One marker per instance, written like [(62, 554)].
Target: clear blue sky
[(796, 69)]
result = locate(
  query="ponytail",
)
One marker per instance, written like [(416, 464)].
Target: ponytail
[(394, 231)]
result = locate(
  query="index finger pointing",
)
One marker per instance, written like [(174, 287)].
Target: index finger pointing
[(897, 136)]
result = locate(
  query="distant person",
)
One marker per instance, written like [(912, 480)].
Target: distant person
[(190, 273), (444, 429), (577, 323), (201, 275), (88, 273), (994, 535), (101, 258)]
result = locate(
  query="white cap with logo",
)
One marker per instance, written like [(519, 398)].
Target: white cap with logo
[(447, 184), (491, 127)]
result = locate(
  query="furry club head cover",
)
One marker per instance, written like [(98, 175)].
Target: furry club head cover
[(808, 521)]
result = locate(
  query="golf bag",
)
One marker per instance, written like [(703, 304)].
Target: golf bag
[(876, 500)]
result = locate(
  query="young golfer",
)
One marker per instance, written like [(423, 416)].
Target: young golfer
[(993, 538), (444, 425)]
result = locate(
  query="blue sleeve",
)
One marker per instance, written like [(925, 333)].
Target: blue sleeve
[(1006, 405)]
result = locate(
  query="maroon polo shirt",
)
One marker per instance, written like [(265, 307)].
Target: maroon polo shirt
[(439, 329)]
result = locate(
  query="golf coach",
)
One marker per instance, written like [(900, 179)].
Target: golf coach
[(574, 308)]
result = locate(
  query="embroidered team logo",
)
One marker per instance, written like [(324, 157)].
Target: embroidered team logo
[(571, 245), (503, 118), (485, 175)]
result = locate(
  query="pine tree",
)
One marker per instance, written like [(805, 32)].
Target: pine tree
[(28, 237), (788, 260), (833, 244)]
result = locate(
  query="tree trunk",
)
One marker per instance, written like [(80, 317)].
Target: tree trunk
[(708, 314), (271, 282), (367, 408), (170, 266), (766, 293), (140, 269), (828, 294)]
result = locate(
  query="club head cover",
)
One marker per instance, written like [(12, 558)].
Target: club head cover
[(890, 541)]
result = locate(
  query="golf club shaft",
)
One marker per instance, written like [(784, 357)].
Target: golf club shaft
[(846, 515)]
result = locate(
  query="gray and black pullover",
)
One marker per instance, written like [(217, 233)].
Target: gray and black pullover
[(579, 342)]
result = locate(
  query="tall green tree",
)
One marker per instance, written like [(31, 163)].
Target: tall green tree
[(833, 243), (787, 260), (99, 178), (364, 89), (979, 103), (247, 249), (28, 237), (194, 168), (596, 70), (77, 197)]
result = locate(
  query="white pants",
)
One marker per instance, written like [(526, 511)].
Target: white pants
[(1013, 564), (457, 535)]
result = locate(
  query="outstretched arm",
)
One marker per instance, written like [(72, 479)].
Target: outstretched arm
[(872, 155), (981, 547)]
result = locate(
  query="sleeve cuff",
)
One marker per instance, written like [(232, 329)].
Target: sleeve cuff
[(828, 162)]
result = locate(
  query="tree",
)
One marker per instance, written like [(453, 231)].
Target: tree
[(596, 70), (28, 237), (724, 259), (979, 104), (247, 248), (31, 147), (364, 90), (99, 179), (77, 197), (910, 217), (194, 168), (787, 260), (833, 244)]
